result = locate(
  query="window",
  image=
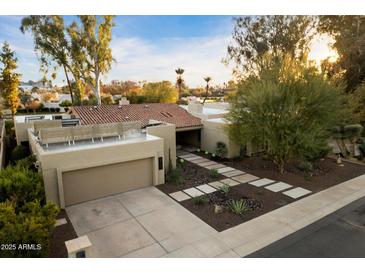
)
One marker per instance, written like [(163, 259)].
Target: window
[(160, 163)]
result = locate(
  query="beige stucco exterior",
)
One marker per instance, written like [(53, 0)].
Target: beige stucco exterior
[(167, 133), (53, 164), (21, 125), (214, 132)]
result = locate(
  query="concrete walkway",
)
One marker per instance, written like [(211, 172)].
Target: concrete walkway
[(148, 223)]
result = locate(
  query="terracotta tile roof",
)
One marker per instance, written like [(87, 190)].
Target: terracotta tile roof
[(170, 113)]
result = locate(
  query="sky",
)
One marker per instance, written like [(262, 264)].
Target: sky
[(151, 48), (146, 48)]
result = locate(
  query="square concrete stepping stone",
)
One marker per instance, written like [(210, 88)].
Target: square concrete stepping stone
[(180, 152), (205, 164), (201, 160), (190, 149), (216, 184), (206, 189), (225, 169), (59, 222), (188, 155), (235, 172), (244, 178), (230, 182), (217, 166), (193, 192), (192, 158), (297, 192), (179, 196), (278, 187), (262, 182)]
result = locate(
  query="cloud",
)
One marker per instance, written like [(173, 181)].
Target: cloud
[(138, 59)]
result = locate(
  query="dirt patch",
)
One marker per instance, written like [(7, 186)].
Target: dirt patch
[(326, 172), (265, 201), (61, 234), (193, 175)]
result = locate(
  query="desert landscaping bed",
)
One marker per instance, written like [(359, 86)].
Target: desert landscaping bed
[(258, 200), (192, 175), (326, 173), (264, 201), (61, 234)]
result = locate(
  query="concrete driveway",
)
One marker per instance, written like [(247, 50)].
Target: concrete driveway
[(144, 223)]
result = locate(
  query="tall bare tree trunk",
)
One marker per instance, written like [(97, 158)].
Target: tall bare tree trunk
[(69, 85), (97, 89)]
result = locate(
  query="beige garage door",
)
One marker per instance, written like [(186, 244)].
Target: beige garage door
[(96, 182)]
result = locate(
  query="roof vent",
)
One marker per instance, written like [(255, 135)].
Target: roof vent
[(127, 117), (120, 107), (146, 106), (95, 107)]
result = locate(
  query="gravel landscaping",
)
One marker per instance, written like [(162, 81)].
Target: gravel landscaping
[(192, 175), (260, 187)]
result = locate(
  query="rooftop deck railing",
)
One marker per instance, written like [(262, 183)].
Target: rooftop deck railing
[(71, 135)]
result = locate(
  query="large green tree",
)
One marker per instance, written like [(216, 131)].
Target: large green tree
[(82, 49), (349, 35), (90, 49), (287, 107), (254, 36), (160, 92), (9, 86)]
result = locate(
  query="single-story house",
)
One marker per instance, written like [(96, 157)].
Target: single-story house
[(95, 151)]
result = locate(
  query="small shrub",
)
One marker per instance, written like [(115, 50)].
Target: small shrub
[(57, 109), (213, 173), (221, 149), (174, 176), (306, 166), (198, 150), (32, 224), (225, 189), (27, 163), (200, 200), (238, 206), (206, 152), (19, 152), (9, 127)]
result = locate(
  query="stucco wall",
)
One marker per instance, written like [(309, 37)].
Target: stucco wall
[(167, 132), (21, 131), (214, 132), (54, 163)]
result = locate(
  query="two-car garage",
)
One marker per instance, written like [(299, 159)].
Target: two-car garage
[(95, 182)]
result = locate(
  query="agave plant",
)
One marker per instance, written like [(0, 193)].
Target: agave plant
[(238, 206)]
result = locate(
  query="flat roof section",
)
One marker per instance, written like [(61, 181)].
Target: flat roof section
[(88, 143)]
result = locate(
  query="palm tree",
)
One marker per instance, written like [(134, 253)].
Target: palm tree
[(180, 80), (207, 79)]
